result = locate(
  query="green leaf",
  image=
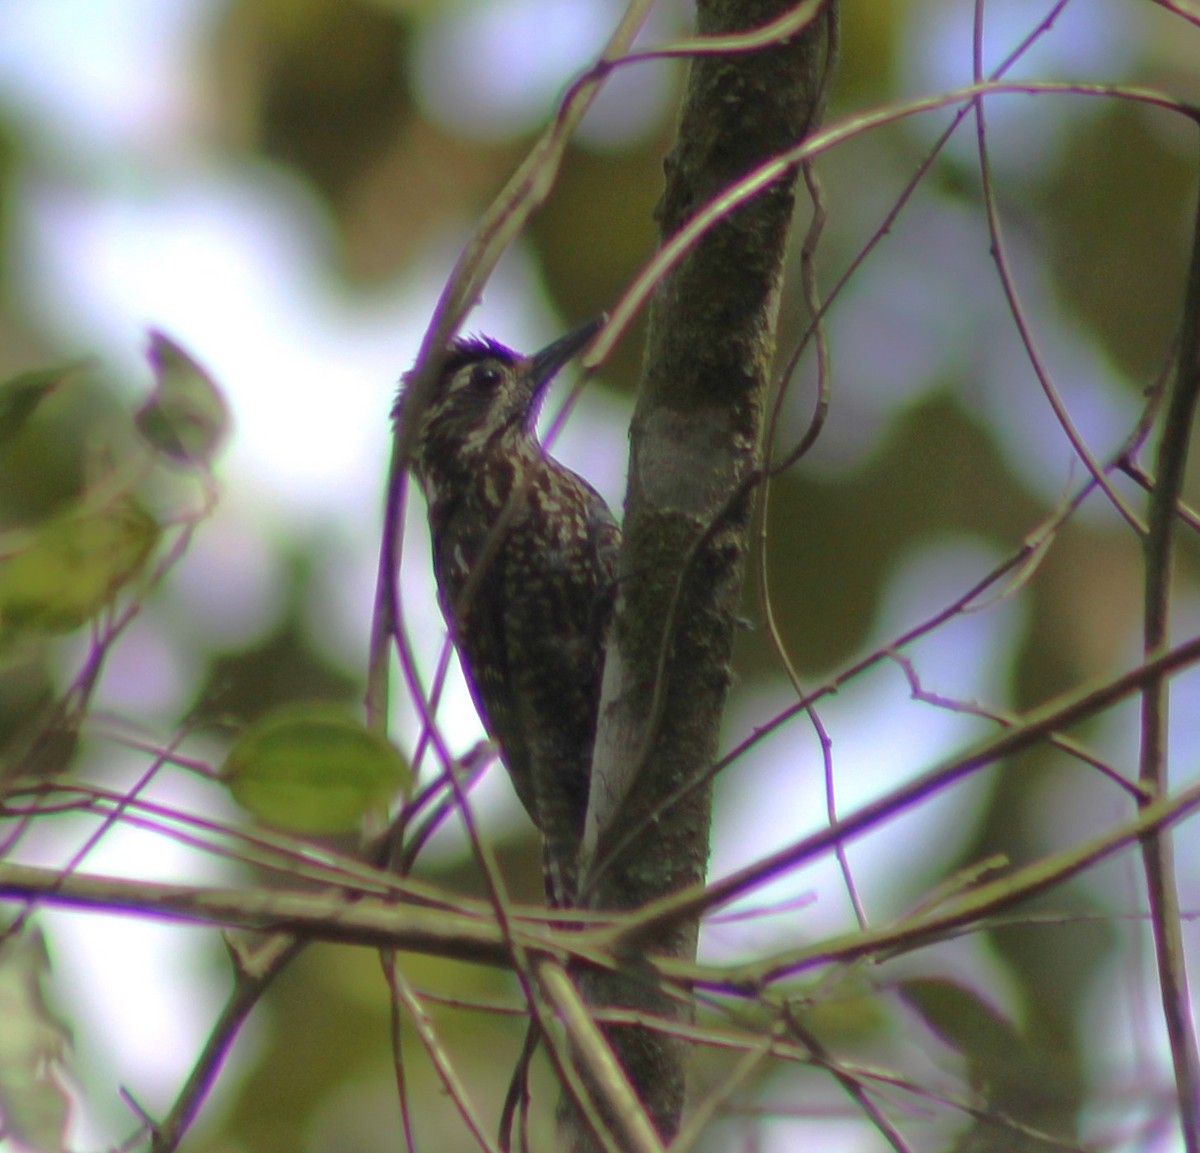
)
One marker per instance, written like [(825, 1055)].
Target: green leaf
[(33, 1043), (311, 768), (993, 1048), (20, 395), (71, 566), (186, 417)]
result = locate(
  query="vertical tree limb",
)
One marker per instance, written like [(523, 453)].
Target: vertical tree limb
[(1157, 856), (696, 445)]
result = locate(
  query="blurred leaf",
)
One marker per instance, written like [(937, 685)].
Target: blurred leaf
[(21, 394), (310, 768), (967, 1023), (322, 83), (587, 267), (283, 665), (47, 749), (186, 417), (936, 472), (71, 566), (1118, 178), (58, 421), (32, 1045), (27, 694), (1025, 1083)]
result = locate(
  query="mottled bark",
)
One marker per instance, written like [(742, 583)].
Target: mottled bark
[(696, 443)]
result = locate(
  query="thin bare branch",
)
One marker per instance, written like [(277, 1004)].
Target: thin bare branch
[(1067, 710), (441, 1059), (1157, 854)]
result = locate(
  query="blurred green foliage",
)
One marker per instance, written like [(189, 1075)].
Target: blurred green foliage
[(324, 89)]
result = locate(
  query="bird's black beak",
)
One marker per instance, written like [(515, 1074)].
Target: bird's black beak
[(545, 364)]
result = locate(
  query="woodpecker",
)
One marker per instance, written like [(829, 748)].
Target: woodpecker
[(525, 557)]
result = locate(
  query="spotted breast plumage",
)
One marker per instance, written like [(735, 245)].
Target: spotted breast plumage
[(525, 556)]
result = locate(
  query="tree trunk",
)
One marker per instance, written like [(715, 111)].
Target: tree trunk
[(696, 444)]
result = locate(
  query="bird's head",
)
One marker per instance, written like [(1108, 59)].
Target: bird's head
[(486, 399)]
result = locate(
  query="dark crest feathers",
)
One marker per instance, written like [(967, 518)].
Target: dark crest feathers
[(462, 350), (466, 349)]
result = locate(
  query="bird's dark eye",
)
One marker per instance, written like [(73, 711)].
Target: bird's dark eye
[(485, 377)]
